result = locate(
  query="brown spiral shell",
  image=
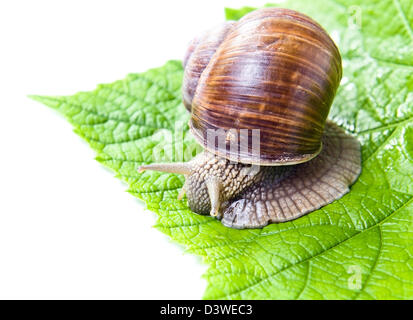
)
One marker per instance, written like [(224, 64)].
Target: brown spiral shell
[(197, 57), (275, 70)]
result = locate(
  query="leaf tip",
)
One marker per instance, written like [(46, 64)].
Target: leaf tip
[(50, 101), (35, 97)]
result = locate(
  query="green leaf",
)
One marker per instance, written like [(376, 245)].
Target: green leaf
[(359, 247)]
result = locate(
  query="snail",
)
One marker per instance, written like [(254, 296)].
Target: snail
[(275, 72)]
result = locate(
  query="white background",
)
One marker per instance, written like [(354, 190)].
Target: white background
[(68, 229)]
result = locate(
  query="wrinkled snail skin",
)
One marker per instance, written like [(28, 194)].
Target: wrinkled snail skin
[(275, 70)]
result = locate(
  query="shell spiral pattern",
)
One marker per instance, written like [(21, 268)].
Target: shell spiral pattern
[(275, 70)]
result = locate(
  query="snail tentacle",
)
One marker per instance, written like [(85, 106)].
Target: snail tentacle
[(182, 192), (173, 167), (214, 188)]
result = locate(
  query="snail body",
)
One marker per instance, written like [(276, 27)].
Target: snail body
[(274, 72)]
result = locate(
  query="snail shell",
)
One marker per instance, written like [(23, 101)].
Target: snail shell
[(197, 57), (275, 70)]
